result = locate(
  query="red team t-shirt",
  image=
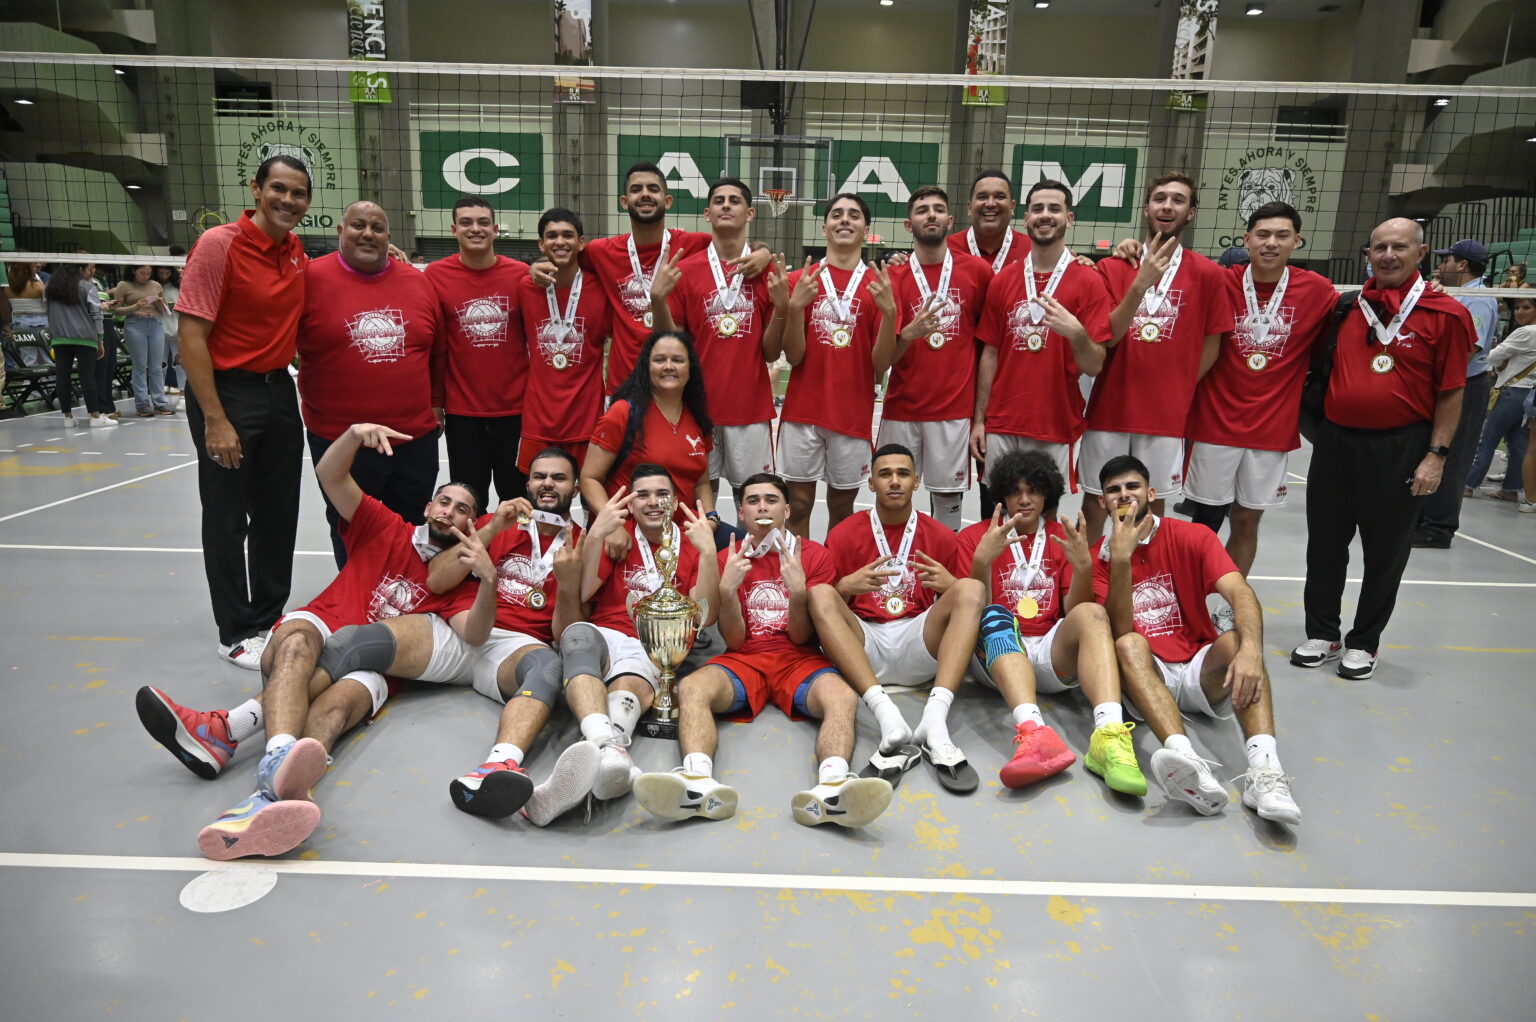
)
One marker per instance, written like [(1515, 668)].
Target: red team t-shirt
[(630, 296), (564, 370), (487, 350), (682, 450), (370, 349), (384, 577), (853, 546), (735, 375), (834, 385), (931, 384), (1251, 396), (1018, 250), (1170, 578), (1147, 386), (1048, 588), (765, 599), (1429, 355), (525, 590), (619, 579), (251, 289), (1035, 392)]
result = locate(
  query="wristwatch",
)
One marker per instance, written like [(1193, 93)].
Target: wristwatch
[(1440, 449)]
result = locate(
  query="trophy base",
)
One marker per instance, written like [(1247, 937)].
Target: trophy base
[(652, 727)]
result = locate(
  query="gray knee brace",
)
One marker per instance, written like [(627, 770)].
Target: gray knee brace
[(358, 648), (537, 676), (583, 651)]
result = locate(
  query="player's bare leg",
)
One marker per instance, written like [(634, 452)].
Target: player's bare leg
[(691, 789), (1182, 774), (838, 796), (842, 639), (949, 632)]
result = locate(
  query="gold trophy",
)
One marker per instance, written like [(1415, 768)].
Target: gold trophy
[(665, 622)]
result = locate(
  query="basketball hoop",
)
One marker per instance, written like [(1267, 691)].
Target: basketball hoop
[(778, 200)]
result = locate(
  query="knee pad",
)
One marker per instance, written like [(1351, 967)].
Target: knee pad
[(583, 651), (998, 635), (358, 648), (538, 676)]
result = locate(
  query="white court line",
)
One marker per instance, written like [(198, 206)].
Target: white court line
[(92, 493), (794, 881), (1406, 582), (1491, 546)]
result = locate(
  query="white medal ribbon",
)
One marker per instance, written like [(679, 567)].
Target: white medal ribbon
[(649, 560), (563, 325), (1155, 296), (776, 539), (661, 259), (421, 541), (898, 562), (1104, 547), (545, 559), (1036, 310), (1002, 253), (1026, 572), (729, 292), (921, 276), (1259, 321), (1387, 334), (841, 303)]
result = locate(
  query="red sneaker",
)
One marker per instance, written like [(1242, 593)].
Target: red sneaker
[(1038, 753), (493, 790), (199, 738)]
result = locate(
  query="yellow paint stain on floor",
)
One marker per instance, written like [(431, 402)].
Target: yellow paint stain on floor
[(748, 819), (1411, 817), (1344, 934), (1402, 766), (930, 831), (778, 970), (95, 683), (562, 969), (419, 994), (962, 924), (1068, 913)]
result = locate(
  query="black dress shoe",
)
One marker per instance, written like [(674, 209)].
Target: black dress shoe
[(1431, 540)]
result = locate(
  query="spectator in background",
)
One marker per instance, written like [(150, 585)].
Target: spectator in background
[(74, 321), (169, 279), (1528, 468), (111, 342), (142, 303), (29, 309), (1514, 359)]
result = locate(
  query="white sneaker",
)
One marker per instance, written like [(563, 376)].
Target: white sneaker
[(1528, 507), (1357, 664), (566, 785), (1225, 618), (69, 420), (103, 422), (1189, 779), (246, 653), (851, 802), (616, 771), (679, 796), (1315, 653), (1268, 792)]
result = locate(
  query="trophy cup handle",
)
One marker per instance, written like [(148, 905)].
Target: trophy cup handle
[(629, 604), (703, 611)]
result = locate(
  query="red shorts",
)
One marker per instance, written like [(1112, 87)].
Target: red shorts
[(775, 675), (528, 446)]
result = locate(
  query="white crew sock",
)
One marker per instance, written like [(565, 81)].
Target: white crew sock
[(1261, 752), (596, 727), (699, 765), (832, 770), (245, 720), (1180, 744), (503, 751), (933, 729), (946, 509), (277, 742), (624, 711), (1027, 711), (893, 726), (1107, 713)]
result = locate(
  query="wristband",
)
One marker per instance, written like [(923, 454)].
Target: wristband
[(1440, 449), (713, 516)]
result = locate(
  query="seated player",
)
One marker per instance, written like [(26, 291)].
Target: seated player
[(901, 615), (1043, 629), (609, 679), (766, 623), (1153, 576), (385, 576)]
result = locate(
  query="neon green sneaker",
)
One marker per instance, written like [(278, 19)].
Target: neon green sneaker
[(1112, 756)]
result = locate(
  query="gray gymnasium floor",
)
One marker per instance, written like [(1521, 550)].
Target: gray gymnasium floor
[(1406, 893)]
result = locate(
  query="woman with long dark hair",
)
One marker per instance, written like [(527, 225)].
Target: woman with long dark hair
[(141, 300), (74, 323), (659, 415)]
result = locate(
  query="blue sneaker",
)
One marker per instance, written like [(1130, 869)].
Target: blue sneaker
[(289, 773), (998, 635), (259, 826)]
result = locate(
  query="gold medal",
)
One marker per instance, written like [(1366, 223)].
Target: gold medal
[(936, 339), (841, 337), (1034, 342), (649, 319), (523, 519), (726, 326), (1383, 363), (895, 605), (536, 599), (1257, 361), (1150, 332), (1027, 608), (559, 360)]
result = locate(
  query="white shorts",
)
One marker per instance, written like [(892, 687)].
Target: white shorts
[(1038, 649), (1183, 680), (741, 452), (810, 454), (304, 615), (1000, 444), (897, 653), (1163, 456), (941, 450), (492, 654), (1218, 475), (453, 660), (627, 656), (374, 683)]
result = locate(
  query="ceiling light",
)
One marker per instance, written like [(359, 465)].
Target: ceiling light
[(1254, 9), (1442, 102), (1531, 140), (118, 70), (22, 102), (133, 187), (886, 3), (1041, 5)]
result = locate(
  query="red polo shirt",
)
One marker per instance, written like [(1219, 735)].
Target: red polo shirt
[(251, 289)]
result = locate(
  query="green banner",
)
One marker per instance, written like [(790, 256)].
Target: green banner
[(365, 41), (1102, 178), (884, 174), (504, 168), (690, 164)]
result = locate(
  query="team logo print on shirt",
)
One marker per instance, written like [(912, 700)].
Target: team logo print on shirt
[(484, 320), (903, 585), (1042, 590), (767, 607), (1156, 606), (560, 345), (1026, 333), (730, 320), (394, 596), (1254, 339), (695, 442), (635, 293), (516, 577), (948, 312), (1153, 327), (832, 330), (642, 581), (378, 334)]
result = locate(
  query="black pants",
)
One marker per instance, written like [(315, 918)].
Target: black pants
[(1359, 482), (106, 367), (1441, 515), (251, 513), (67, 357), (402, 481), (480, 448)]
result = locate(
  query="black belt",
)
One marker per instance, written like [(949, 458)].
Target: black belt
[(246, 376)]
